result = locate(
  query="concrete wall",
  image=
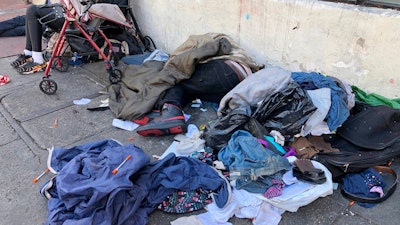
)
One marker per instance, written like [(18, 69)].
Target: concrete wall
[(359, 45)]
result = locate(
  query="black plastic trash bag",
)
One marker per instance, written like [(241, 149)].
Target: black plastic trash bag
[(285, 111), (219, 131)]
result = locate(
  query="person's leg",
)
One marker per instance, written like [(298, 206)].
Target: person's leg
[(174, 95), (31, 60), (16, 31), (171, 119), (26, 56), (34, 32), (210, 81), (13, 27)]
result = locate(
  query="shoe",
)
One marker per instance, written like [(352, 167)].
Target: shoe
[(171, 121), (31, 67), (313, 177), (304, 170), (148, 117), (22, 59)]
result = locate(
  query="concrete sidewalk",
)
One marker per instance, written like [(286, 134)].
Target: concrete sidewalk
[(8, 10), (27, 116)]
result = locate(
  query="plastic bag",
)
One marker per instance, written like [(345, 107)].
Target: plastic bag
[(285, 111), (218, 133)]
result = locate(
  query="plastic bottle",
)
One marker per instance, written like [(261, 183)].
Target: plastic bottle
[(75, 60)]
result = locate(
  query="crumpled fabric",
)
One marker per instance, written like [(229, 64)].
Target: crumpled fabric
[(374, 99), (243, 151), (255, 88), (243, 205), (251, 166), (158, 55), (321, 99), (349, 93), (59, 157), (142, 85), (4, 79), (189, 143), (172, 173), (185, 201), (87, 192), (299, 193), (360, 185), (338, 112)]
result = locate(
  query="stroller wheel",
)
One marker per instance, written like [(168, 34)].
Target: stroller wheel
[(62, 66), (48, 86), (115, 76)]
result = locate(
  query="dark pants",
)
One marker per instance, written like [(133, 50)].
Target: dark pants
[(34, 29), (13, 27), (210, 82)]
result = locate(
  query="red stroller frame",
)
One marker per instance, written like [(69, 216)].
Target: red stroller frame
[(72, 10)]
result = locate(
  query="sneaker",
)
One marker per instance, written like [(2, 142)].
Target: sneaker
[(148, 117), (171, 121), (22, 59), (31, 67)]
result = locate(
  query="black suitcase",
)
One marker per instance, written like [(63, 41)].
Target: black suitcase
[(352, 158), (369, 137)]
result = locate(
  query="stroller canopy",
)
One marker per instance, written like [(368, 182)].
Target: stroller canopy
[(110, 12)]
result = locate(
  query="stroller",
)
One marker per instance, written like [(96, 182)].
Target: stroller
[(84, 18)]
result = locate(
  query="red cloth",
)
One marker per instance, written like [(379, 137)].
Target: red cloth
[(4, 79)]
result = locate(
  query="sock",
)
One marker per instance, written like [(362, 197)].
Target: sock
[(37, 57), (27, 52)]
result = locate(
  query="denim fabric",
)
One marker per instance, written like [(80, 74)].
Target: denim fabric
[(338, 112), (136, 59), (250, 163), (210, 82), (157, 55), (243, 151), (248, 181), (13, 27)]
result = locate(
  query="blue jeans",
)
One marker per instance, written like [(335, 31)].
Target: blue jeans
[(252, 181), (250, 165), (13, 27)]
